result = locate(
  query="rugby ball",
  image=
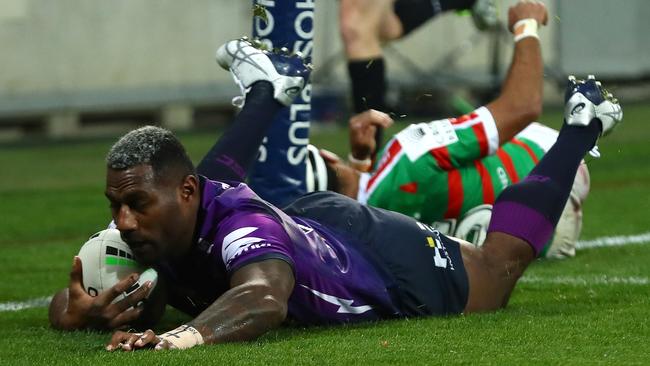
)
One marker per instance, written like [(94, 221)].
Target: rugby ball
[(316, 170), (106, 259), (472, 227)]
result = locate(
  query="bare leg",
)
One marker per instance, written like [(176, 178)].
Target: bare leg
[(365, 25), (493, 270)]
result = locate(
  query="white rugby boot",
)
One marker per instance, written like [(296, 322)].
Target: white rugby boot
[(248, 63), (586, 100)]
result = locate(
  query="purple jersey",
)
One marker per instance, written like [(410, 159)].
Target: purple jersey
[(334, 282)]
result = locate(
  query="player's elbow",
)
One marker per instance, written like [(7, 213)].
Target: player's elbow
[(534, 109), (57, 308), (528, 111), (270, 307), (276, 309)]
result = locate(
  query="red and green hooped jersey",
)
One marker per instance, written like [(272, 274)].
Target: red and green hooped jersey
[(442, 169)]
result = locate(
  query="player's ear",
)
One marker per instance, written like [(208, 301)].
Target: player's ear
[(190, 187)]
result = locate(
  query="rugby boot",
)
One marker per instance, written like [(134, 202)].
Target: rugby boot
[(249, 62), (586, 100)]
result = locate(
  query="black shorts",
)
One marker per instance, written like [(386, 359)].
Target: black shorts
[(423, 269), (414, 13)]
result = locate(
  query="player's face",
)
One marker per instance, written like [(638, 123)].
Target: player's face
[(154, 217)]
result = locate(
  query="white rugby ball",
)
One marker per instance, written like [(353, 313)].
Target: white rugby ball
[(106, 259), (472, 227)]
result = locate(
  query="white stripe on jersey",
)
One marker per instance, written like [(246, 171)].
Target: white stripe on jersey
[(490, 129), (484, 116), (543, 136), (364, 190)]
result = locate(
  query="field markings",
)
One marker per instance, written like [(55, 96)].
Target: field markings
[(586, 281), (28, 304), (606, 241), (614, 241)]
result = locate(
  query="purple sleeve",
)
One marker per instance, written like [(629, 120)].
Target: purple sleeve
[(245, 238)]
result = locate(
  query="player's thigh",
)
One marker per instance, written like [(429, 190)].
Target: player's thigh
[(366, 18), (493, 270)]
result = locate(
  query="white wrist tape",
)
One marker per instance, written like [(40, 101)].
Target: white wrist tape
[(362, 165), (525, 28), (183, 337)]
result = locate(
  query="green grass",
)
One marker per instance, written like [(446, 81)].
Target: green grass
[(51, 200)]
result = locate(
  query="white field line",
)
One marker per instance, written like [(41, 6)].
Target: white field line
[(28, 304), (614, 241), (586, 281), (606, 241)]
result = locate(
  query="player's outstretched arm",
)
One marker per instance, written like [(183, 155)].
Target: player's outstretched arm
[(255, 304), (520, 101), (72, 308)]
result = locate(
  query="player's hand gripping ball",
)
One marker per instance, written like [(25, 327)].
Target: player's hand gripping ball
[(106, 259)]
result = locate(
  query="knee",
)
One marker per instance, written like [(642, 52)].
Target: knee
[(351, 22), (351, 33), (500, 263)]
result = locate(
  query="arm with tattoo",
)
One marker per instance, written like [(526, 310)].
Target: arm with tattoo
[(255, 304)]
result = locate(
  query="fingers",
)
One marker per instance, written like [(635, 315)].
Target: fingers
[(117, 340), (370, 117), (127, 344), (164, 344), (127, 341), (75, 285), (358, 121), (149, 338), (380, 119), (544, 12), (107, 296), (329, 156), (134, 298), (125, 317), (129, 309), (528, 9)]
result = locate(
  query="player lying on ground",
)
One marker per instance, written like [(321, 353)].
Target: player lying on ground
[(443, 169), (453, 186), (242, 267)]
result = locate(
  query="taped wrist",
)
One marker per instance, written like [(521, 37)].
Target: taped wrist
[(183, 337), (525, 28)]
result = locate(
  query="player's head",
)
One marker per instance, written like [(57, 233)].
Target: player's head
[(154, 193)]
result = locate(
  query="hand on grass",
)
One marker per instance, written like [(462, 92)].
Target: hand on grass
[(128, 341)]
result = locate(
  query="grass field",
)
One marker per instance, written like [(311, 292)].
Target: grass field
[(593, 309)]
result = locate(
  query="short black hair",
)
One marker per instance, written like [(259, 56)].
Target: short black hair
[(154, 146)]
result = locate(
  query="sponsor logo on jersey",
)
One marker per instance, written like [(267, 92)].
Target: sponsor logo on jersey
[(441, 257), (237, 242), (419, 139)]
